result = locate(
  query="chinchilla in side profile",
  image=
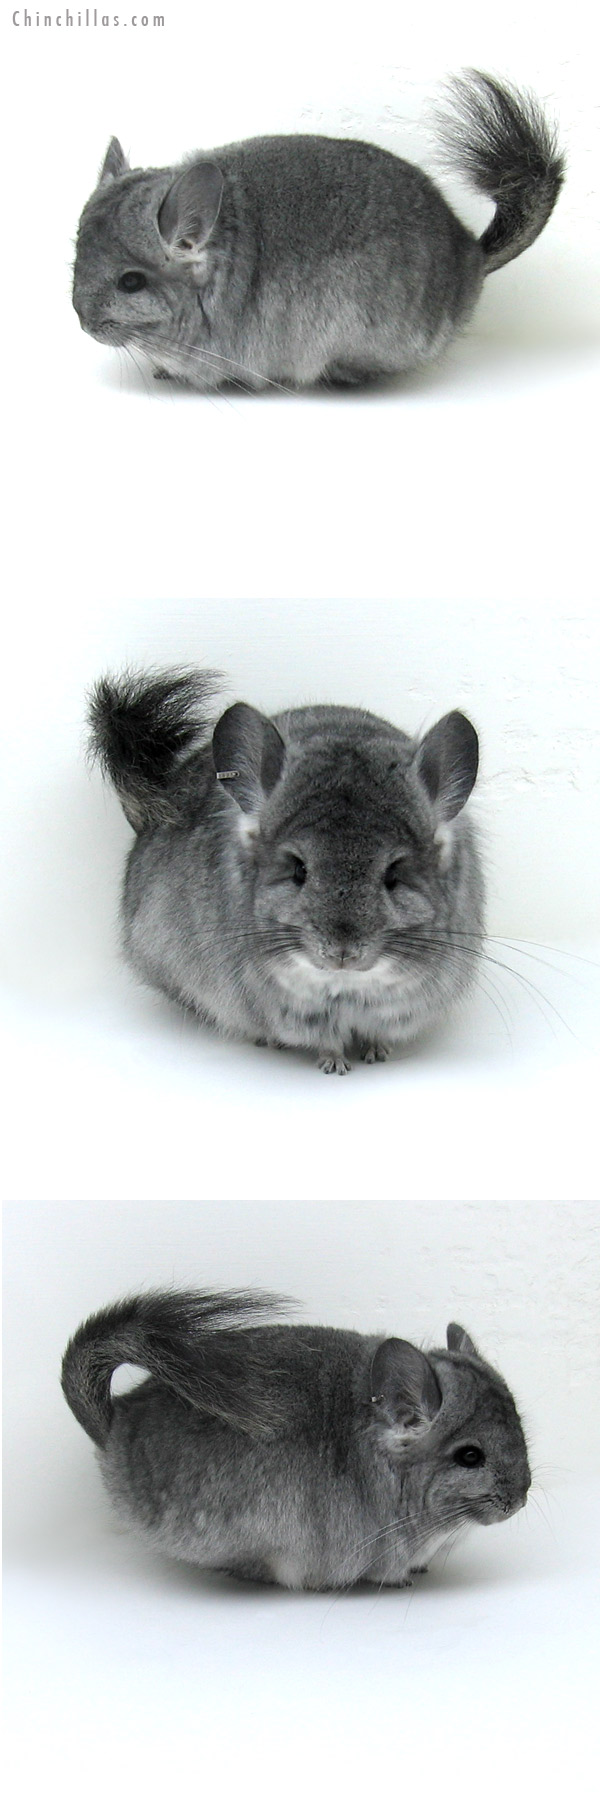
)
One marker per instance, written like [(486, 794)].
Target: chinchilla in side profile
[(304, 259), (307, 881), (300, 1455)]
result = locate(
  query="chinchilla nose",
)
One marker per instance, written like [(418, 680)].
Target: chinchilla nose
[(346, 950), (512, 1501)]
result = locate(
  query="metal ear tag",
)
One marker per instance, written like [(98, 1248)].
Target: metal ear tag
[(227, 774)]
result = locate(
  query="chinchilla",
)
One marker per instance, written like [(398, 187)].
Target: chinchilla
[(304, 259), (307, 881), (300, 1455)]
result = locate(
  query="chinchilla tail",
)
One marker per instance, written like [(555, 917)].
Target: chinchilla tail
[(192, 1343), (501, 141), (141, 728)]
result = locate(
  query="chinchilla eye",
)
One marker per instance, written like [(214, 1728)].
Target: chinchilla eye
[(132, 281), (469, 1457), (298, 871), (393, 876)]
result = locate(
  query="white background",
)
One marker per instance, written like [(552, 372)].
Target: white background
[(127, 1655), (148, 525)]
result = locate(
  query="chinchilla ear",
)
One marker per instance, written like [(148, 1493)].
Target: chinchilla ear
[(447, 761), (404, 1388), (115, 163), (248, 754), (459, 1340), (190, 210)]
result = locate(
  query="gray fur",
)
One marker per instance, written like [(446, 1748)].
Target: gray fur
[(296, 260), (323, 1457), (384, 932)]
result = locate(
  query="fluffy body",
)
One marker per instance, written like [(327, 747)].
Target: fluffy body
[(300, 1455), (304, 259), (307, 881)]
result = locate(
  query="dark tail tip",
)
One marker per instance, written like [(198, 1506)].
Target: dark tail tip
[(141, 726), (502, 141)]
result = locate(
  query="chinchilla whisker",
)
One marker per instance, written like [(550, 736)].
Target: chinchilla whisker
[(216, 397), (417, 1537), (140, 369), (520, 945), (537, 995), (527, 947), (493, 992), (498, 1000), (488, 987), (233, 363), (479, 954), (192, 354), (267, 943), (122, 367), (543, 1512), (445, 1550), (452, 1522), (553, 1469)]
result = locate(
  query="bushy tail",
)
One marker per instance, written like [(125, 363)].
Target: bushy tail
[(501, 141), (194, 1343), (141, 727)]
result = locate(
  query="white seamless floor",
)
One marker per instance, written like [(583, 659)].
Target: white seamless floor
[(113, 1094), (483, 1678)]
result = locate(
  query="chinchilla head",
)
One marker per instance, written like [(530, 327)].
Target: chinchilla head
[(143, 251), (451, 1425), (352, 832)]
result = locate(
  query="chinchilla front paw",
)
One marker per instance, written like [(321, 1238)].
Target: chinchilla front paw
[(374, 1053), (394, 1581), (334, 1065)]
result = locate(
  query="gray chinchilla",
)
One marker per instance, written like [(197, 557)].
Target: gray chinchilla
[(308, 880), (294, 260), (300, 1455)]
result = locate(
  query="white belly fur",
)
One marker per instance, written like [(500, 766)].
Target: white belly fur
[(365, 1001)]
